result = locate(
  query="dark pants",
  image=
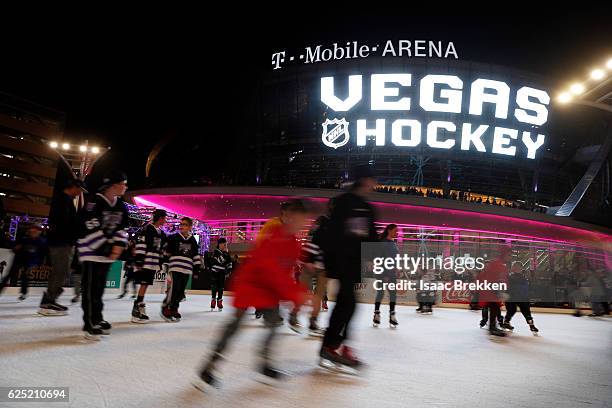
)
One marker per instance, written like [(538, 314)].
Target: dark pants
[(338, 328), (217, 284), (525, 310), (271, 319), (381, 293), (93, 283), (176, 290), (61, 259), (485, 315), (492, 311)]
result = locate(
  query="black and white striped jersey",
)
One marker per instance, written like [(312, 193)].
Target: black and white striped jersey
[(221, 262), (311, 253), (184, 253), (149, 245), (102, 226)]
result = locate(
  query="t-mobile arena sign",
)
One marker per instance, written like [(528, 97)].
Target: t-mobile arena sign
[(512, 117)]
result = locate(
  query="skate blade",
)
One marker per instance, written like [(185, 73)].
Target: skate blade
[(337, 367), (271, 382), (139, 321), (375, 324), (298, 330), (393, 326), (92, 337), (45, 312), (203, 386)]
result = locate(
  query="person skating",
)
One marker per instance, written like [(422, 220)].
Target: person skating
[(518, 291), (184, 259), (495, 271), (62, 236), (262, 282), (351, 224), (312, 268), (149, 244), (221, 266), (390, 251), (102, 240), (32, 249), (130, 262)]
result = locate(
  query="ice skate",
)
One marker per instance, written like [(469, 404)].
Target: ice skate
[(22, 297), (93, 333), (314, 330), (176, 315), (507, 325), (533, 328), (166, 314), (271, 376), (483, 323), (205, 380), (376, 319), (497, 332), (294, 324), (324, 307), (105, 327), (220, 304), (393, 320), (139, 314), (213, 304)]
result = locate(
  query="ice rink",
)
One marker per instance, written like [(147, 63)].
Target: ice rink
[(442, 360)]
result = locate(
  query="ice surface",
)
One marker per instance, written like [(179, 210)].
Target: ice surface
[(442, 360)]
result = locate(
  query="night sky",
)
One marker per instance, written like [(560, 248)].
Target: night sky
[(129, 80)]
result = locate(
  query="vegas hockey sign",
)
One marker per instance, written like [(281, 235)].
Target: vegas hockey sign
[(481, 115)]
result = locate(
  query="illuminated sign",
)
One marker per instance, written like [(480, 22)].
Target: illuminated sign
[(359, 50), (397, 100)]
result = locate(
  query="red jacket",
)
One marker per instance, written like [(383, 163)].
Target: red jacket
[(494, 272), (267, 277)]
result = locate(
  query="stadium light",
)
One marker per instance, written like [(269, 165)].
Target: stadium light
[(565, 97), (65, 146), (577, 89), (597, 74), (53, 145), (83, 148), (609, 64), (95, 150)]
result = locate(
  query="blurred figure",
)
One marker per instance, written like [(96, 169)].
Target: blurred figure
[(63, 233), (351, 223), (495, 271), (32, 250), (130, 260), (600, 305), (312, 272), (261, 282), (518, 290), (388, 238), (221, 267)]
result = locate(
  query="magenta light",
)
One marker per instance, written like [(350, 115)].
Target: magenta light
[(223, 207)]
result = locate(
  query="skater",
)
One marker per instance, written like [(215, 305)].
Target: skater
[(32, 250), (184, 259), (221, 267), (312, 269), (485, 317), (351, 224), (103, 239), (149, 244), (63, 232), (518, 291), (495, 271), (390, 251), (600, 300), (262, 282), (130, 260)]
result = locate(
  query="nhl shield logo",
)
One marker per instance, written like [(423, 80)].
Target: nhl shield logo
[(338, 135)]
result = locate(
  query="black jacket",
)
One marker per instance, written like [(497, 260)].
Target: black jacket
[(351, 223), (63, 221)]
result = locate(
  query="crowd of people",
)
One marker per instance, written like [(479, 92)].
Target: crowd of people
[(279, 267), (459, 196)]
